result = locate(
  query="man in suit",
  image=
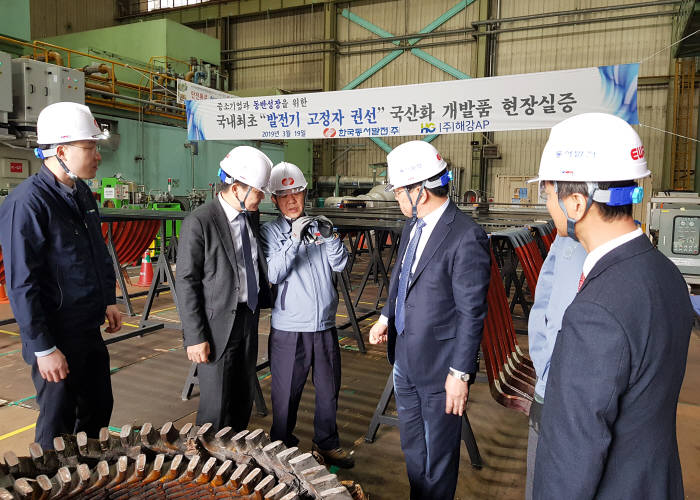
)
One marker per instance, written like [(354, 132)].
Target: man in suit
[(433, 318), (222, 285), (609, 419)]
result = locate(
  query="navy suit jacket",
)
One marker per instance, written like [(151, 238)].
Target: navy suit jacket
[(608, 426), (445, 303)]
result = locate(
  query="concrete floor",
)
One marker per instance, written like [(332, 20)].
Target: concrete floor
[(149, 373)]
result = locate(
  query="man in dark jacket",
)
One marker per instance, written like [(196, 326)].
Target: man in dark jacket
[(608, 428), (433, 318), (60, 278), (221, 287)]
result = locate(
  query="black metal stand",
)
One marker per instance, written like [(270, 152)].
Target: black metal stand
[(380, 417), (344, 281), (163, 273), (258, 399)]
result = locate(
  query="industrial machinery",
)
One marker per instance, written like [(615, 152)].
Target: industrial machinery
[(36, 84), (674, 224), (190, 462), (6, 105)]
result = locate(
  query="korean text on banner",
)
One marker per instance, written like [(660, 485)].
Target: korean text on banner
[(514, 102)]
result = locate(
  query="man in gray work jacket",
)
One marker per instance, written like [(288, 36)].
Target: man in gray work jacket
[(302, 253)]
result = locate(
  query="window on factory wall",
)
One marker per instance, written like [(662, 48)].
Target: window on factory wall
[(166, 4)]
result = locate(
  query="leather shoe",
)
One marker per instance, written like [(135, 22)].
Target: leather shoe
[(338, 457)]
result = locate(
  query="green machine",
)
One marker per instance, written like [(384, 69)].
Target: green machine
[(169, 207), (114, 193)]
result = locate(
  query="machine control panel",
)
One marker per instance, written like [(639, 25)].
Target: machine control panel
[(686, 235)]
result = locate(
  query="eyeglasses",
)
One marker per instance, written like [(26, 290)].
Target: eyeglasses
[(287, 192), (542, 186), (93, 148)]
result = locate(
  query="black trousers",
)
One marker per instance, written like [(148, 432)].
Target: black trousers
[(226, 386), (292, 354), (82, 402)]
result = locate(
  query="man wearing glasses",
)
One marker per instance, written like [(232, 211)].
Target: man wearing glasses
[(302, 253), (60, 278)]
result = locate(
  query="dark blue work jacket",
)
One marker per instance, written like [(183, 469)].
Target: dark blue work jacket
[(59, 273)]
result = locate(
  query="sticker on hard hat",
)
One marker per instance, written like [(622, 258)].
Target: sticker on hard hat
[(637, 153), (288, 181)]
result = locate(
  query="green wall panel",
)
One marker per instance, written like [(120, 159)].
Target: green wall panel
[(15, 19), (139, 42), (183, 43), (165, 156)]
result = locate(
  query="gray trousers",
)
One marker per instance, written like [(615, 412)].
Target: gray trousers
[(226, 385), (532, 437)]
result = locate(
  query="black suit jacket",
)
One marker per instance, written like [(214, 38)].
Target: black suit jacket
[(206, 278), (609, 420), (445, 301)]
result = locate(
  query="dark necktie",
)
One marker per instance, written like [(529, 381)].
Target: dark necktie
[(405, 277), (249, 266)]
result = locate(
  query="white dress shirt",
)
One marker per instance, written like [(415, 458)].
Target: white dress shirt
[(597, 254), (236, 223), (430, 222)]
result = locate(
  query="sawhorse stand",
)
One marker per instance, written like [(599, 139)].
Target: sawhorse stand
[(380, 417)]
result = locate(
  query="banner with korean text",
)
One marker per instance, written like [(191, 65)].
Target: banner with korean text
[(188, 90), (514, 102)]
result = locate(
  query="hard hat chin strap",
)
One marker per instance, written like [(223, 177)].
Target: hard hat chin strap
[(70, 174), (571, 223), (414, 206), (242, 202), (43, 154)]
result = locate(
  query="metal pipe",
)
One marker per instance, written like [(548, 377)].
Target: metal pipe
[(98, 86), (351, 52), (345, 181), (128, 107), (593, 10), (350, 43), (136, 99), (577, 22)]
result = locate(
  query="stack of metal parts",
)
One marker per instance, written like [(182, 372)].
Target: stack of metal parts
[(193, 462), (131, 238), (510, 372)]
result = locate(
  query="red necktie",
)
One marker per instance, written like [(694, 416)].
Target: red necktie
[(580, 281)]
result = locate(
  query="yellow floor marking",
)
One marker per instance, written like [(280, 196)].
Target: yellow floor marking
[(166, 309), (10, 333), (144, 296), (18, 431)]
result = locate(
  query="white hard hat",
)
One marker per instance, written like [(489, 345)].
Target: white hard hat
[(412, 162), (286, 177), (593, 147), (247, 165), (64, 122)]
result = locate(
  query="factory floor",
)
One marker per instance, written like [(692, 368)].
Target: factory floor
[(148, 375)]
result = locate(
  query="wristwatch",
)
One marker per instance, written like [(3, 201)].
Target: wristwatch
[(464, 377)]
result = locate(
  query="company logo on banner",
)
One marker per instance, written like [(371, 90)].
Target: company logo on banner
[(191, 91), (514, 102)]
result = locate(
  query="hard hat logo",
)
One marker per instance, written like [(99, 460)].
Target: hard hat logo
[(439, 157), (637, 153), (286, 178)]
